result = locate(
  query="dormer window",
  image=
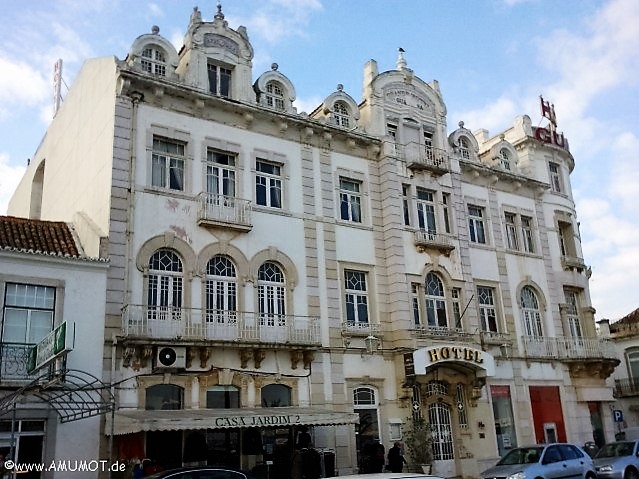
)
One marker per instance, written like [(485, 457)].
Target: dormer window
[(274, 96), (504, 159), (154, 61), (341, 115), (219, 80)]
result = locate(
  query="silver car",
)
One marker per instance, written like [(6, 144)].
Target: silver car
[(543, 461), (618, 460)]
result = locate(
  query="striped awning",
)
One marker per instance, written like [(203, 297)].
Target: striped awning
[(127, 421)]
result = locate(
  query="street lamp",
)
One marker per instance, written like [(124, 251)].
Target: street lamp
[(372, 343)]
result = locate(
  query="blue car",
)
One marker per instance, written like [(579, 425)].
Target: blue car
[(618, 460), (543, 461)]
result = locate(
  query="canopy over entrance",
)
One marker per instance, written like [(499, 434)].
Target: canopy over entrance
[(133, 420)]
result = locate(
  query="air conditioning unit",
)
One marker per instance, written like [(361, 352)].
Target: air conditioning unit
[(170, 357)]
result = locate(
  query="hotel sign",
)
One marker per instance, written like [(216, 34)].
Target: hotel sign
[(53, 345), (434, 356), (455, 352)]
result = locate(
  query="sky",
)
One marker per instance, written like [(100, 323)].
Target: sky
[(492, 59)]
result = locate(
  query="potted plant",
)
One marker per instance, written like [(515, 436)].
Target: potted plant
[(418, 438)]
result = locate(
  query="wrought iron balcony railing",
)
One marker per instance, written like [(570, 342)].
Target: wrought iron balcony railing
[(565, 348), (161, 322), (442, 332), (626, 387), (14, 361), (221, 210)]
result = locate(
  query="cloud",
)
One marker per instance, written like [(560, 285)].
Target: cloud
[(307, 104), (21, 84), (276, 20), (10, 176), (595, 60), (494, 116)]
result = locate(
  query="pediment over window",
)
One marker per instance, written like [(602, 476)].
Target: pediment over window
[(274, 90), (153, 54), (464, 143), (501, 155), (339, 109)]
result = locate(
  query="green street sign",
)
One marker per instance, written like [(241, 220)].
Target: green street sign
[(54, 344)]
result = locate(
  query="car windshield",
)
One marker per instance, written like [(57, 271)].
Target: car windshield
[(521, 455), (616, 449)]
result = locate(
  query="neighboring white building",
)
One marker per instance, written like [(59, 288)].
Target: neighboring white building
[(47, 281), (624, 333), (272, 270)]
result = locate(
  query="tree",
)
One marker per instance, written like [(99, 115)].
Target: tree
[(419, 442)]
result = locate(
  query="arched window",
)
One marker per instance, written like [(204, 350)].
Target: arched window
[(435, 301), (504, 158), (365, 404), (341, 115), (223, 397), (164, 396), (221, 290), (271, 292), (164, 299), (274, 96), (154, 60), (276, 395), (530, 309)]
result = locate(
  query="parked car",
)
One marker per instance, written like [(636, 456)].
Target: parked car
[(618, 460), (543, 461), (201, 472)]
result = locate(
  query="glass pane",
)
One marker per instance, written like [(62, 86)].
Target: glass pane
[(15, 325), (40, 325)]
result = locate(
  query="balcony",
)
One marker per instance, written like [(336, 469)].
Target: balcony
[(221, 211), (568, 348), (626, 387), (586, 357), (569, 263), (423, 157), (360, 328), (425, 240), (188, 324), (441, 332), (14, 360)]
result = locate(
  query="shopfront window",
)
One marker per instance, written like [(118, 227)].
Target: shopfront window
[(222, 397), (28, 443), (276, 395), (504, 420), (164, 397)]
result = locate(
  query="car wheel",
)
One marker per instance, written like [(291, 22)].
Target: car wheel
[(631, 473), (591, 475)]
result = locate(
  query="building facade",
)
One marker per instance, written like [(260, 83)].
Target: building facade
[(46, 284), (341, 272), (624, 334)]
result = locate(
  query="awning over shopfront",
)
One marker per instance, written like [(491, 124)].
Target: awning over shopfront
[(127, 421)]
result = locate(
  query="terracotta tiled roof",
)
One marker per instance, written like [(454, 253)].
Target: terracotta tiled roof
[(626, 326), (47, 237)]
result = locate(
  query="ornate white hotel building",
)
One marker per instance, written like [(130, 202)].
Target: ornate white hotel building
[(341, 270)]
